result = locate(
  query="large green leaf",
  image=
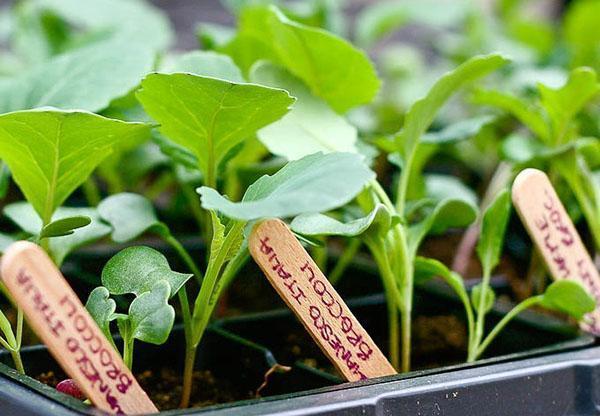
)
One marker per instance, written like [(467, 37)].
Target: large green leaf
[(493, 227), (210, 116), (311, 126), (137, 269), (379, 218), (84, 79), (131, 20), (333, 69), (102, 309), (51, 153), (205, 63), (23, 215), (150, 315), (130, 215), (315, 183), (422, 113), (568, 296)]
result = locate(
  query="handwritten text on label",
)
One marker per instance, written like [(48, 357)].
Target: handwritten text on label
[(321, 310), (556, 237), (60, 320)]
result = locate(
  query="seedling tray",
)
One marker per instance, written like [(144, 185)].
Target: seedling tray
[(540, 366)]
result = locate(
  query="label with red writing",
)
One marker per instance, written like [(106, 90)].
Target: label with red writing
[(315, 302), (555, 236), (57, 316)]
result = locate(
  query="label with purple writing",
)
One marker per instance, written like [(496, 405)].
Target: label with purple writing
[(321, 310), (556, 237)]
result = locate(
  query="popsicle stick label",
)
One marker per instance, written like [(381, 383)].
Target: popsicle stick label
[(57, 316), (308, 293), (554, 234)]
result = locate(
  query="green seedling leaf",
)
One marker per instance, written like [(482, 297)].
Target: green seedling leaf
[(78, 79), (459, 131), (310, 127), (315, 183), (218, 238), (530, 116), (208, 116), (23, 215), (490, 297), (130, 216), (102, 309), (568, 296), (522, 149), (426, 269), (207, 64), (493, 227), (320, 59), (379, 220), (132, 20), (422, 113), (51, 153), (445, 214), (150, 315), (562, 104), (137, 270), (64, 226), (440, 187)]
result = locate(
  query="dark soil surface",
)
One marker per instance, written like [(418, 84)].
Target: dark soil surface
[(438, 341), (164, 387)]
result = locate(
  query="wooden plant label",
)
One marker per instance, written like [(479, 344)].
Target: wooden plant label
[(72, 336), (555, 236), (308, 293)]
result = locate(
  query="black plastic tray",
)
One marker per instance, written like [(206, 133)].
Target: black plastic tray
[(559, 373)]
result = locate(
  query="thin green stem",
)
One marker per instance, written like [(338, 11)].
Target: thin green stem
[(7, 330), (16, 356), (19, 327), (345, 260), (128, 352), (201, 313), (403, 271), (481, 312), (5, 344), (393, 330), (406, 339), (393, 298), (527, 303), (188, 375), (231, 270)]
